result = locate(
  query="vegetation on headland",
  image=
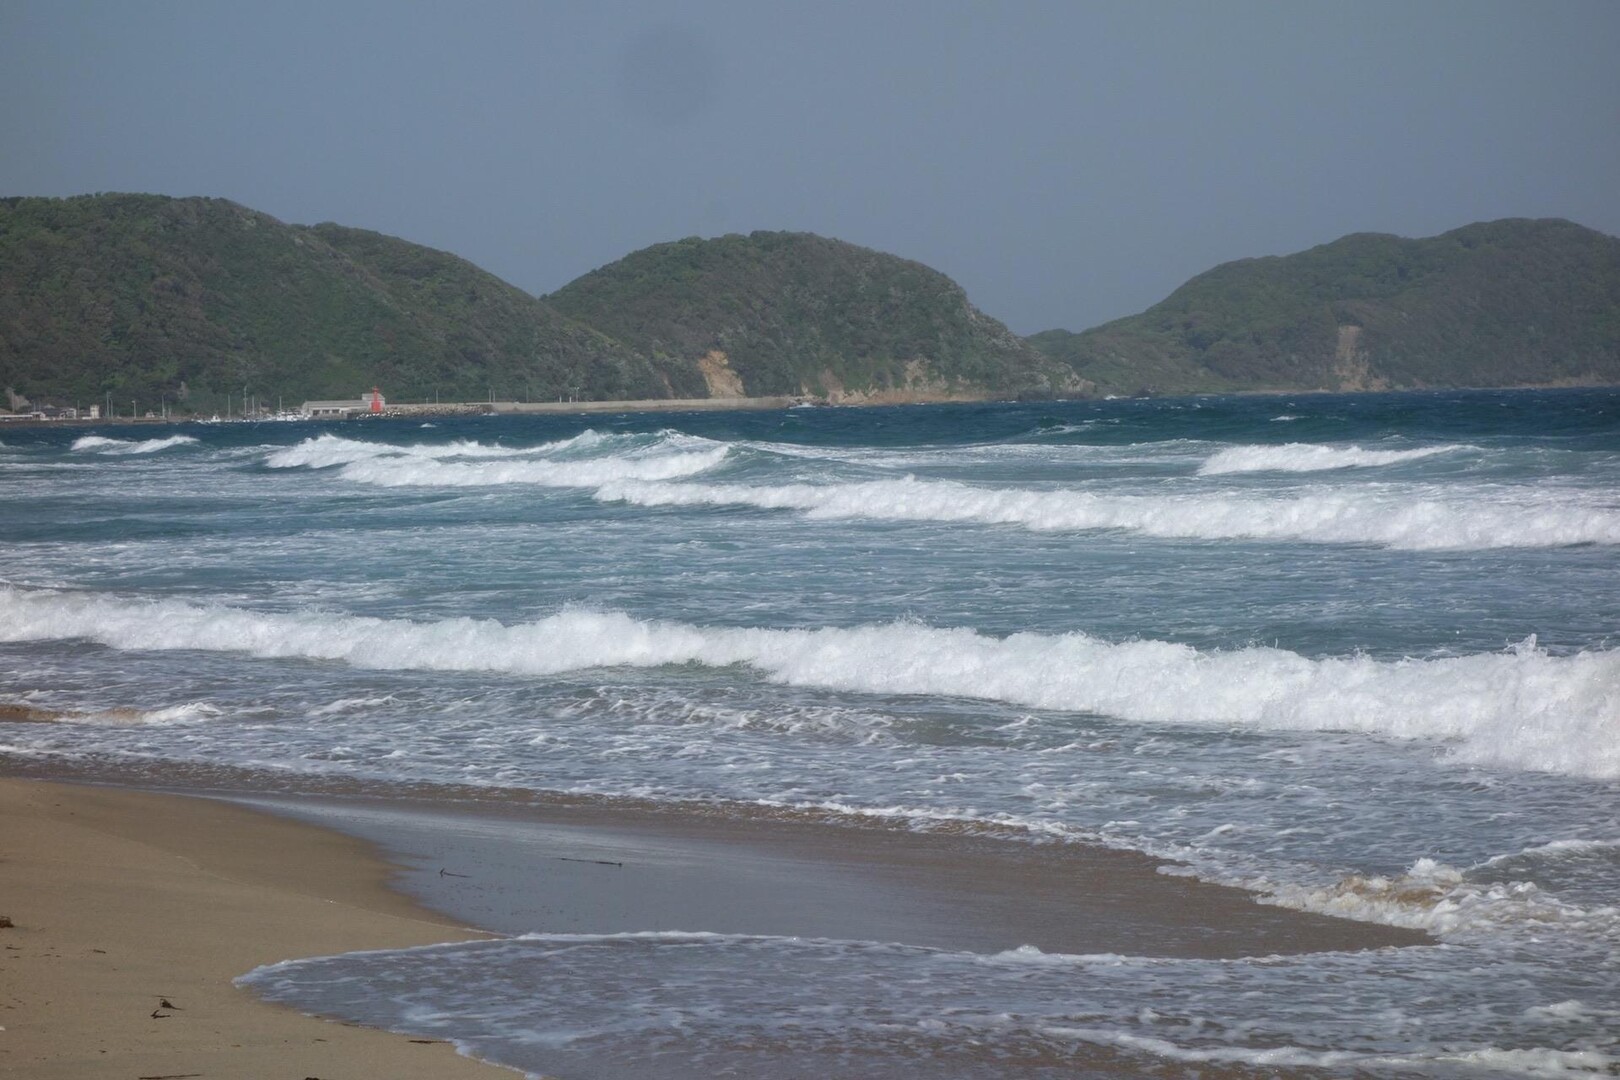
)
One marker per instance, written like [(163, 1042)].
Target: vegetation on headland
[(795, 313), (149, 299), (1504, 303)]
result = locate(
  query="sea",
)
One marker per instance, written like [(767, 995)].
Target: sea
[(1358, 654)]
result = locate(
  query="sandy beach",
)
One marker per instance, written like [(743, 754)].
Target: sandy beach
[(122, 901)]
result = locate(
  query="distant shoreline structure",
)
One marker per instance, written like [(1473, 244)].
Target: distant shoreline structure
[(405, 411), (358, 409)]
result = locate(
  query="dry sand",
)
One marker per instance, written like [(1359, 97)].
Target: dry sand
[(124, 900)]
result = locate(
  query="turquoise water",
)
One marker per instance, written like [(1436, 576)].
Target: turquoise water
[(1355, 652)]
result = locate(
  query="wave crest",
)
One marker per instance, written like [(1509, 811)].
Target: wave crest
[(586, 460), (103, 445), (1523, 708), (1395, 518), (1310, 457)]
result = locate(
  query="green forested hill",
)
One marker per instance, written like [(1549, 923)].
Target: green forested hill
[(143, 296), (1504, 303), (794, 313), (146, 297)]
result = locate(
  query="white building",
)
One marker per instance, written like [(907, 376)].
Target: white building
[(371, 403)]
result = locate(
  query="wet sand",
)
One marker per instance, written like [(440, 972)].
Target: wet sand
[(606, 868), (123, 899)]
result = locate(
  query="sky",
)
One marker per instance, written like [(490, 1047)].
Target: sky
[(1068, 163)]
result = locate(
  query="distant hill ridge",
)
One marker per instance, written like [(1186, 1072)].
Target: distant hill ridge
[(190, 299), (794, 313), (1515, 302), (146, 297), (143, 296)]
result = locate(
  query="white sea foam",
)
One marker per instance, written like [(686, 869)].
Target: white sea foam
[(1440, 899), (468, 464), (1564, 1012), (344, 706), (1556, 850), (325, 451), (1395, 517), (103, 445), (1533, 1062), (1311, 457), (639, 1001), (1523, 708), (383, 472), (193, 712)]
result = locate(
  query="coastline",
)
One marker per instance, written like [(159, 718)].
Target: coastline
[(425, 410), (515, 865), (121, 900), (124, 898), (188, 617)]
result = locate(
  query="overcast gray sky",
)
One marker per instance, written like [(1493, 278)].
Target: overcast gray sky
[(1066, 162)]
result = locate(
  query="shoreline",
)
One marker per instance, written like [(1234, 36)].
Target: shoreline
[(122, 900), (420, 410), (519, 866)]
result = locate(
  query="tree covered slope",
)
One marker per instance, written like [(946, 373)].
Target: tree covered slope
[(1505, 303), (146, 297), (793, 313), (143, 296)]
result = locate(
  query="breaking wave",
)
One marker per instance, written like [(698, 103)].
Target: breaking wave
[(1310, 457), (103, 445), (325, 451), (564, 463), (1523, 708), (1390, 517), (393, 473)]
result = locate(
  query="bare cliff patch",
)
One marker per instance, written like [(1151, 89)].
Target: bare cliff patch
[(918, 382), (1350, 364), (722, 381)]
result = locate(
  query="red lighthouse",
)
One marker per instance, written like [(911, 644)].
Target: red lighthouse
[(376, 400)]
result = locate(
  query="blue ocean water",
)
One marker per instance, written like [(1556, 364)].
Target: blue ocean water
[(1357, 653)]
